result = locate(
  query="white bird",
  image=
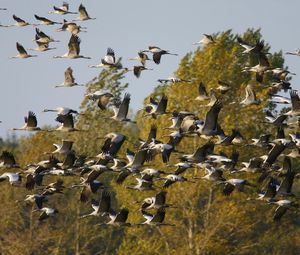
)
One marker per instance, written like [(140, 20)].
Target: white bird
[(64, 148), (278, 99), (108, 61), (251, 48), (61, 110), (46, 212), (13, 178)]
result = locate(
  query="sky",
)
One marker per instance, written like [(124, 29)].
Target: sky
[(127, 27)]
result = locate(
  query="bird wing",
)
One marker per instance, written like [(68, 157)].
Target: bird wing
[(7, 158), (41, 18), (18, 19), (43, 216), (29, 184), (160, 198), (274, 153), (69, 160), (93, 175), (39, 201), (82, 12), (287, 164), (244, 44), (203, 151), (31, 120), (148, 216), (159, 216), (105, 202), (66, 120), (250, 94), (263, 60), (110, 56), (211, 118), (41, 33), (122, 176), (84, 194), (271, 188), (106, 146), (115, 147), (122, 215), (279, 212), (137, 71), (74, 45), (69, 79), (140, 157), (228, 188), (21, 49), (202, 90), (162, 105), (103, 101), (67, 145), (124, 106), (168, 183), (152, 133), (156, 57), (295, 100)]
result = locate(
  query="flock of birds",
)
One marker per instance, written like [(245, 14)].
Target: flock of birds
[(278, 181)]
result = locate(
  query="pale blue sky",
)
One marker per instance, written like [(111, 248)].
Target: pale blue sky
[(125, 26)]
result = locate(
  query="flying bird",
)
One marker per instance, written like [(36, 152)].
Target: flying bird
[(69, 80), (157, 53), (22, 52), (74, 49)]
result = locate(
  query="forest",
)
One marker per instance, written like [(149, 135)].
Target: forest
[(201, 218)]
